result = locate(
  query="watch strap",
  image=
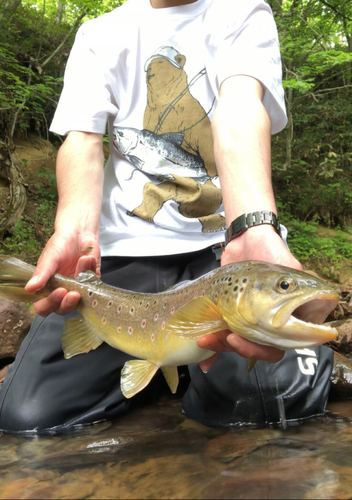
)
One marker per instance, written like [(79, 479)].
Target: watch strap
[(245, 221)]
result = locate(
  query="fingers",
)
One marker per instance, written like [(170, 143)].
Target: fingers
[(87, 263), (207, 363), (249, 349), (215, 341), (43, 272), (60, 301), (231, 342), (69, 256)]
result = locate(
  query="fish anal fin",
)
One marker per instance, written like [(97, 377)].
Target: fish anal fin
[(136, 375), (171, 376), (198, 317), (79, 337)]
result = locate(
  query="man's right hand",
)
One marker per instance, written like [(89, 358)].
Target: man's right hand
[(74, 246), (68, 256)]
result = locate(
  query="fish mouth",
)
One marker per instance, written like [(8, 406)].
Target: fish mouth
[(307, 316)]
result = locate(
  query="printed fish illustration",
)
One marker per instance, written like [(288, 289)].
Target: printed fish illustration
[(159, 154), (262, 302)]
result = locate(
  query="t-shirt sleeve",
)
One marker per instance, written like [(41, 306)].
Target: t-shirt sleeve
[(248, 45), (85, 102)]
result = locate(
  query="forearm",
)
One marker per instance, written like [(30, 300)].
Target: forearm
[(242, 148), (80, 174)]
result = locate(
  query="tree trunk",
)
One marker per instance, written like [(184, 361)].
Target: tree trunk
[(60, 12), (18, 194), (289, 130)]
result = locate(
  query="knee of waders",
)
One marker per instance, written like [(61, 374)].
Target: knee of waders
[(284, 393)]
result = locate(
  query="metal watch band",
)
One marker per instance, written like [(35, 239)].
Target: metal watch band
[(245, 221)]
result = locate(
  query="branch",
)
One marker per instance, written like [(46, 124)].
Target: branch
[(59, 47), (333, 7), (11, 13), (327, 91)]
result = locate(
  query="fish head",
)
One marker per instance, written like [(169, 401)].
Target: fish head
[(125, 139), (278, 306)]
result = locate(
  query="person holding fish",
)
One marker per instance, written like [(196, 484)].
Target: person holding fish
[(191, 92)]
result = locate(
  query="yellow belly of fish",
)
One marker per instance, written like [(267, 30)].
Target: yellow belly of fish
[(160, 348)]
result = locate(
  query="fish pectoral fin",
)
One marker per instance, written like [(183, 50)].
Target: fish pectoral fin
[(136, 375), (171, 376), (137, 162), (251, 364), (78, 337), (199, 317)]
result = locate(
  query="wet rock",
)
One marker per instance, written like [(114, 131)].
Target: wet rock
[(230, 446), (341, 378), (343, 343), (15, 321)]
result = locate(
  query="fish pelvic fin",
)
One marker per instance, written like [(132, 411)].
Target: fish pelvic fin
[(251, 364), (171, 376), (14, 275), (136, 375), (79, 337), (199, 317)]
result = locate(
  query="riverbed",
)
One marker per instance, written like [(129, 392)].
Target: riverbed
[(157, 453)]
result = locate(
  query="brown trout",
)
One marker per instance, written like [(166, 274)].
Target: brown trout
[(260, 301)]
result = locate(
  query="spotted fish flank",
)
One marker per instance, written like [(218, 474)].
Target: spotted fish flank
[(260, 301)]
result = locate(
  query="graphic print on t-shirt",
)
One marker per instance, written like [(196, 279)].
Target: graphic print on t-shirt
[(175, 148)]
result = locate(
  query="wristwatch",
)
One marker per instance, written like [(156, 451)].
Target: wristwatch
[(245, 221)]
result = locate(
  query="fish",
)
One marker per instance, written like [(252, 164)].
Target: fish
[(266, 303), (159, 154)]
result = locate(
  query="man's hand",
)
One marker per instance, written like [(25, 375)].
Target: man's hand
[(74, 246), (228, 341), (67, 255), (258, 243)]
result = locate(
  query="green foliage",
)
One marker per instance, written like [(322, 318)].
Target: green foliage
[(326, 253), (312, 158), (28, 237), (23, 238), (49, 175)]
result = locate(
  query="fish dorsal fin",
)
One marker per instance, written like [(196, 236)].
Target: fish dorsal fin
[(136, 375), (171, 376), (199, 317), (174, 137), (181, 284), (79, 337), (88, 277)]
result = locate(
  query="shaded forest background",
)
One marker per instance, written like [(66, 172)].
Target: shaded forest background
[(312, 157)]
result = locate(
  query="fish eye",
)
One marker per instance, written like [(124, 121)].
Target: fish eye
[(286, 284)]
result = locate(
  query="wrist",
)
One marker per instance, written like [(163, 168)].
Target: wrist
[(78, 219), (240, 225)]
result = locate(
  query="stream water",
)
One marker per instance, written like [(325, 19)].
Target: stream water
[(155, 452)]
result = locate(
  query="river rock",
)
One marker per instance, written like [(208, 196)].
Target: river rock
[(341, 378), (15, 321), (343, 343)]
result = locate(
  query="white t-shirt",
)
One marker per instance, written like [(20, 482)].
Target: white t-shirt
[(153, 75)]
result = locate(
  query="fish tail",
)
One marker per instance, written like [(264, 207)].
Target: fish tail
[(14, 275)]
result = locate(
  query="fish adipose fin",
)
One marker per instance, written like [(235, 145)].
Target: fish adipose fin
[(78, 337), (136, 375), (171, 376), (199, 317)]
